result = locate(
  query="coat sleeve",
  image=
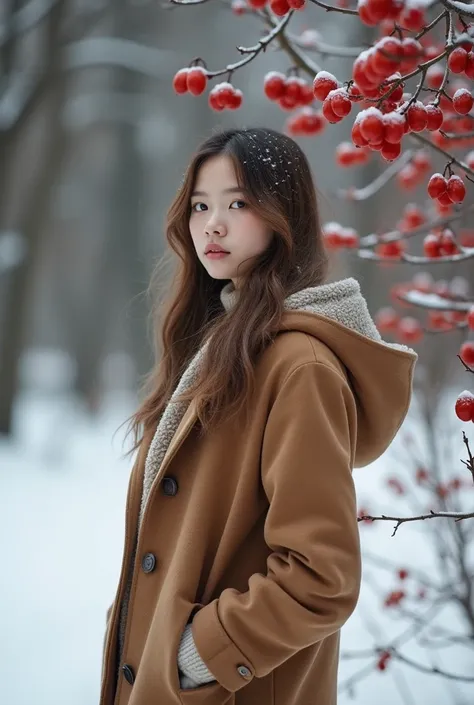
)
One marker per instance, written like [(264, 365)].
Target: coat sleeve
[(313, 576)]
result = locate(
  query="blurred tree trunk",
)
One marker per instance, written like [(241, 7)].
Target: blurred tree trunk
[(122, 272), (47, 93)]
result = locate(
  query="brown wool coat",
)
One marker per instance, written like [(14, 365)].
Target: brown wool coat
[(259, 544)]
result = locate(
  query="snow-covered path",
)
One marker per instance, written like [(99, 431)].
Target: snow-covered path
[(62, 493)]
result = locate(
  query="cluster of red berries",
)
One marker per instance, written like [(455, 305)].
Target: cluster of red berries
[(336, 236), (440, 244), (372, 12), (464, 406), (446, 191), (348, 154), (288, 91), (278, 7), (190, 78), (388, 55), (307, 122), (225, 95), (337, 105), (406, 329), (384, 132)]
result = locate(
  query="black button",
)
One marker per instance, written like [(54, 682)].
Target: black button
[(128, 673), (148, 562), (170, 486)]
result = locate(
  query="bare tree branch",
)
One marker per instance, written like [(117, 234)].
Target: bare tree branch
[(25, 19)]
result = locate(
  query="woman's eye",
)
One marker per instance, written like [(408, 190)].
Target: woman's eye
[(194, 207), (242, 202)]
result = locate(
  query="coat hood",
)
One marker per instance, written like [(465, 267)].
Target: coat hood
[(380, 373)]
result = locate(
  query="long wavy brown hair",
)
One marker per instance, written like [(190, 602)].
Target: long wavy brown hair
[(276, 175)]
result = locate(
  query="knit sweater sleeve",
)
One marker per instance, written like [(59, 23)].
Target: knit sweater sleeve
[(190, 663)]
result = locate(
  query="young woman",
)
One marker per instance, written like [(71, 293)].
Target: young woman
[(242, 558)]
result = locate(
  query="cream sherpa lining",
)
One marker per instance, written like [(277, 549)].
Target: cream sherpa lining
[(341, 301)]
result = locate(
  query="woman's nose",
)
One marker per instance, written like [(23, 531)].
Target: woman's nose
[(215, 227)]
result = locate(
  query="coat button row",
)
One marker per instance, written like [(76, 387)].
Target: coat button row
[(170, 486), (128, 673), (244, 671), (148, 563)]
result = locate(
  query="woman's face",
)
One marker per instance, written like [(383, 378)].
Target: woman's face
[(220, 214)]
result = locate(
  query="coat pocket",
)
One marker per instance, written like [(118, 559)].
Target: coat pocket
[(209, 693)]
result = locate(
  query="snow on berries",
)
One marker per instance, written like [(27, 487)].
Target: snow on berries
[(463, 101), (440, 244), (192, 79), (464, 406), (336, 236), (323, 83), (225, 95), (288, 91), (447, 191), (337, 105), (348, 155), (305, 123)]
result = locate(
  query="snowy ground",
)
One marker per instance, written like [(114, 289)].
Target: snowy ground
[(62, 493)]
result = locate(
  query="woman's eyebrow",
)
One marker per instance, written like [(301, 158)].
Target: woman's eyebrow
[(233, 189)]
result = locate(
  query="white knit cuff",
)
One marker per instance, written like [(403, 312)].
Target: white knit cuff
[(189, 661)]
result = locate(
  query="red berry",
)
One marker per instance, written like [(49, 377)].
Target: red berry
[(180, 81), (356, 136), (387, 56), (444, 199), (340, 102), (387, 319), (293, 88), (371, 125), (257, 4), (323, 83), (329, 113), (412, 18), (434, 76), (434, 116), (274, 85), (463, 101), (410, 330), (394, 127), (413, 215), (467, 353), (214, 100), (464, 406), (197, 80), (390, 152), (456, 189), (431, 246), (457, 60), (297, 4), (235, 100), (412, 53), (469, 70), (403, 573), (345, 154), (437, 185), (447, 242), (279, 7), (417, 117)]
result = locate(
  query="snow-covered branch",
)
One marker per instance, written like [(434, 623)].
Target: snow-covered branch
[(26, 18)]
